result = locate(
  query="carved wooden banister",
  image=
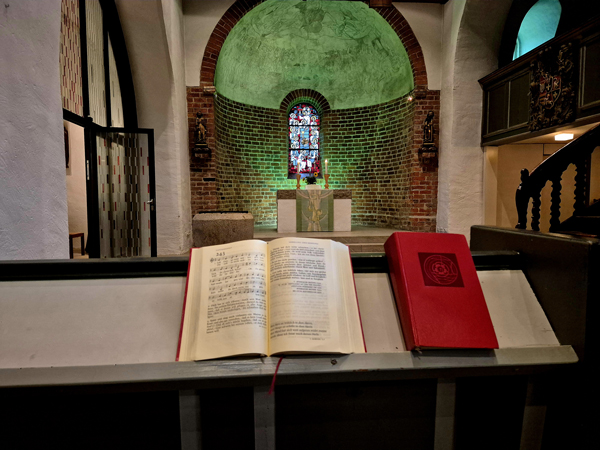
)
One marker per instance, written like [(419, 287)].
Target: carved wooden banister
[(555, 200), (582, 184), (577, 152)]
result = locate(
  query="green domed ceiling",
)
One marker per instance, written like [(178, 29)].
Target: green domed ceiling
[(344, 50)]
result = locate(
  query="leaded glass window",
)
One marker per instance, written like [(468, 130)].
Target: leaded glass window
[(304, 150)]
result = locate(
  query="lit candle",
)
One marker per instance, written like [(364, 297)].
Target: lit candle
[(326, 162)]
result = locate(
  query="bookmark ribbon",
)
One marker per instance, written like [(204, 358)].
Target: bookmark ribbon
[(275, 376)]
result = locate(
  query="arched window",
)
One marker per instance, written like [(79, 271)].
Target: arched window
[(304, 155), (539, 25)]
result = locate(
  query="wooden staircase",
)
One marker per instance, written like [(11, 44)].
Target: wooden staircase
[(585, 220), (587, 223)]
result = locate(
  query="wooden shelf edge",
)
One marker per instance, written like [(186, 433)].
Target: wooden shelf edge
[(298, 369)]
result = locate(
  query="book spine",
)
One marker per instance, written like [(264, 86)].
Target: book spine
[(398, 279), (187, 283)]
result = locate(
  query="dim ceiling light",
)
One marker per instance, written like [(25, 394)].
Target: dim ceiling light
[(563, 137)]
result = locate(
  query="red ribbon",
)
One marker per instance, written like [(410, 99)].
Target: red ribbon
[(275, 376)]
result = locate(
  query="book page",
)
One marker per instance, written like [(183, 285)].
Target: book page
[(229, 296), (348, 301), (303, 300)]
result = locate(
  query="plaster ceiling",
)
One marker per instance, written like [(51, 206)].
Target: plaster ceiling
[(344, 50)]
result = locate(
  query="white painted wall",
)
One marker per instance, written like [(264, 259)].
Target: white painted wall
[(173, 13), (76, 184), (153, 32), (426, 22), (33, 199), (452, 15), (469, 53), (200, 19)]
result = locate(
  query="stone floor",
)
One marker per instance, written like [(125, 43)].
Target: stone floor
[(361, 239)]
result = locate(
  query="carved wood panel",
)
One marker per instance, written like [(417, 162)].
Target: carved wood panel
[(552, 88)]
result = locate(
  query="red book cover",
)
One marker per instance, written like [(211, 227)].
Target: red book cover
[(439, 297)]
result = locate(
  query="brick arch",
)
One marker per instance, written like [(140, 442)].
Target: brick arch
[(233, 15), (305, 95), (213, 47), (409, 40), (311, 96)]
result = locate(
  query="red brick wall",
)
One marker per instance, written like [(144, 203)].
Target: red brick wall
[(424, 179), (203, 166)]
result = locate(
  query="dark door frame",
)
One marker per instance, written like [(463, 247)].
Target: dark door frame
[(90, 130)]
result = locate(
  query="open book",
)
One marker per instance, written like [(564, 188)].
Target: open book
[(291, 295)]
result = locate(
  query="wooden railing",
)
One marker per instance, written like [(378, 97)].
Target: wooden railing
[(577, 152), (507, 92)]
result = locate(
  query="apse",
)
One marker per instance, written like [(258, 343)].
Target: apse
[(346, 53)]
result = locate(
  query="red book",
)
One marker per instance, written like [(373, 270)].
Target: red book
[(439, 297)]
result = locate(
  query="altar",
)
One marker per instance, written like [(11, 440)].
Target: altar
[(330, 210)]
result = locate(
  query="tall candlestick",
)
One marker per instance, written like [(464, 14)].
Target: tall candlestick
[(326, 162)]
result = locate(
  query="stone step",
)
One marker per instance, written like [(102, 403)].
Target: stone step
[(348, 240), (359, 234), (581, 225), (366, 248), (362, 239), (355, 245)]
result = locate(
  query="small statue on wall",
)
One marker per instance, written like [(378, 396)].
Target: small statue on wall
[(200, 130), (428, 152), (428, 128), (201, 136)]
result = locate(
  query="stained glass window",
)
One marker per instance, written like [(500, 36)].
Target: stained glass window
[(304, 151)]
